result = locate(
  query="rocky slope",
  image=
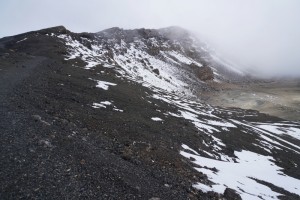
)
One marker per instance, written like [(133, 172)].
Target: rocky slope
[(117, 115)]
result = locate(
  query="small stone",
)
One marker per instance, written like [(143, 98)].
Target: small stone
[(82, 162), (64, 121), (138, 188), (156, 71), (45, 143), (37, 117)]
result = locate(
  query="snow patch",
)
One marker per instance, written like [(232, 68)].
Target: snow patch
[(99, 105), (156, 119), (21, 40), (281, 130), (240, 176), (104, 84)]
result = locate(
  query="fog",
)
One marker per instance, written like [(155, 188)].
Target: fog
[(261, 36)]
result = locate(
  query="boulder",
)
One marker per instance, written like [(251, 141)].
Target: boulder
[(204, 73)]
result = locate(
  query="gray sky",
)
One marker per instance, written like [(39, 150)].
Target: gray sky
[(263, 35)]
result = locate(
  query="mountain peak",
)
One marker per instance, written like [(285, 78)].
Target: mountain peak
[(172, 32), (175, 32), (176, 29), (111, 30), (55, 29)]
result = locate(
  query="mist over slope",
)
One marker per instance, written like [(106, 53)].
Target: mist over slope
[(260, 36), (118, 114)]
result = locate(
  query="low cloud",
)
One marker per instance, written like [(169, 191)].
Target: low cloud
[(260, 36)]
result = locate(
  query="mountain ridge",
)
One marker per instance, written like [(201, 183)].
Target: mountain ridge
[(88, 116)]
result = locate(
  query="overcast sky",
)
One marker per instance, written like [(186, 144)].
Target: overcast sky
[(263, 35)]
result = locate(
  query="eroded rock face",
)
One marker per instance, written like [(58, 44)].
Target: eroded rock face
[(204, 73)]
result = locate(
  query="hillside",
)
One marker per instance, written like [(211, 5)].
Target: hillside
[(118, 114)]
